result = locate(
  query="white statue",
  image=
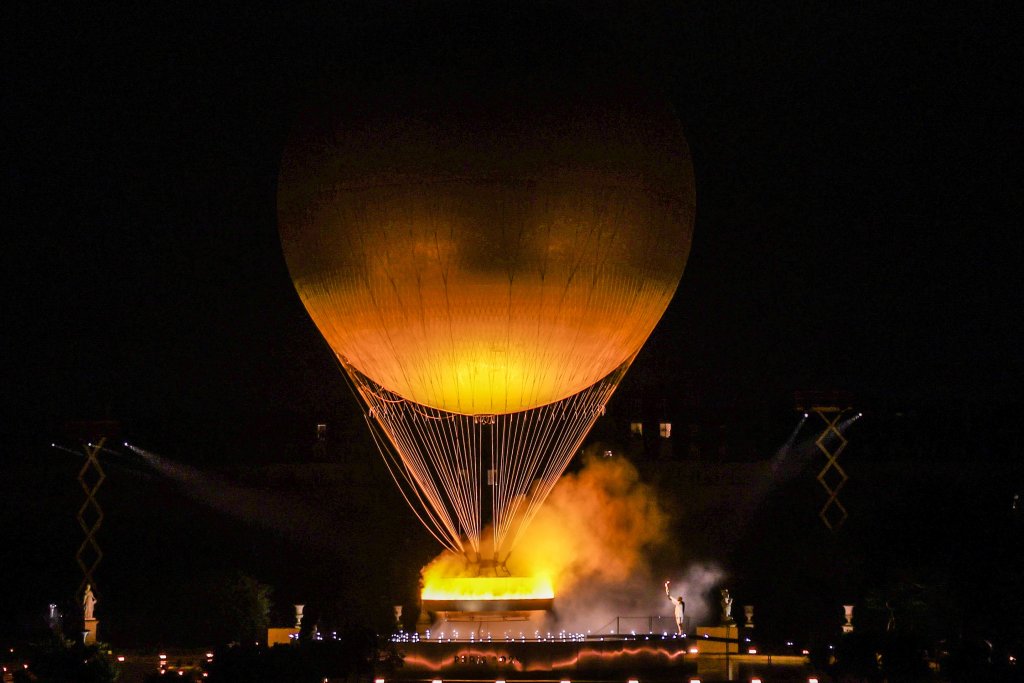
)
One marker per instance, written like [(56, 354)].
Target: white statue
[(680, 609), (88, 602), (726, 606)]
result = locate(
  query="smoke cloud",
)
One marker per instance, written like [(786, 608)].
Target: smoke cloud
[(596, 526), (594, 539)]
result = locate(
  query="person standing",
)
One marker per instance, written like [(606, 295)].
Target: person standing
[(679, 607)]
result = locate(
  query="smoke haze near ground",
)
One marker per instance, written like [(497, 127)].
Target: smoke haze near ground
[(594, 538)]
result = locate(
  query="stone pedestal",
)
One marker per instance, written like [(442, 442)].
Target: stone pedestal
[(281, 636), (716, 646), (715, 661), (90, 630)]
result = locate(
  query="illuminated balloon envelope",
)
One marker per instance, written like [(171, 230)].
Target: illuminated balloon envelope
[(486, 275)]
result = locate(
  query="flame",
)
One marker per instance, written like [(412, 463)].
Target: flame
[(488, 588)]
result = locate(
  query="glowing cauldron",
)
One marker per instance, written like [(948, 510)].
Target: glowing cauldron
[(488, 594)]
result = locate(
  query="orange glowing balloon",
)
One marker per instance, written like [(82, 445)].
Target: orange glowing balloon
[(487, 257)]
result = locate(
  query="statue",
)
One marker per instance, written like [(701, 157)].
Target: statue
[(726, 607), (88, 603), (848, 613), (679, 608)]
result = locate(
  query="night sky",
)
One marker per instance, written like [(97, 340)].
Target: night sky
[(858, 201), (857, 221)]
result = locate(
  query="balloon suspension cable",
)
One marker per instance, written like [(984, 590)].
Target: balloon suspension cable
[(423, 510), (437, 459)]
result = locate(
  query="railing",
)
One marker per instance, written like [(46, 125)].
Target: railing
[(656, 624)]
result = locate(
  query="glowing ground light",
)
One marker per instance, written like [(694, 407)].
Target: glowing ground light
[(693, 650), (632, 680), (755, 680)]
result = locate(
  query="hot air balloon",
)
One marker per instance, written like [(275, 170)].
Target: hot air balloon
[(486, 264)]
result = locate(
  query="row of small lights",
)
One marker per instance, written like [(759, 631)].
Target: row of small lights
[(755, 679), (415, 638), (6, 670), (561, 636), (11, 651), (162, 667)]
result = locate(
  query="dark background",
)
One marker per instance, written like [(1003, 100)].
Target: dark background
[(858, 213)]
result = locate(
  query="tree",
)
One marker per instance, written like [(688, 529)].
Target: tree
[(247, 609), (63, 661)]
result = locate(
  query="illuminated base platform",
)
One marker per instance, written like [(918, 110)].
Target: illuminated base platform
[(642, 659), (476, 610)]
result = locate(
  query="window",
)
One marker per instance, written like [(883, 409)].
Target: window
[(665, 429), (636, 428)]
